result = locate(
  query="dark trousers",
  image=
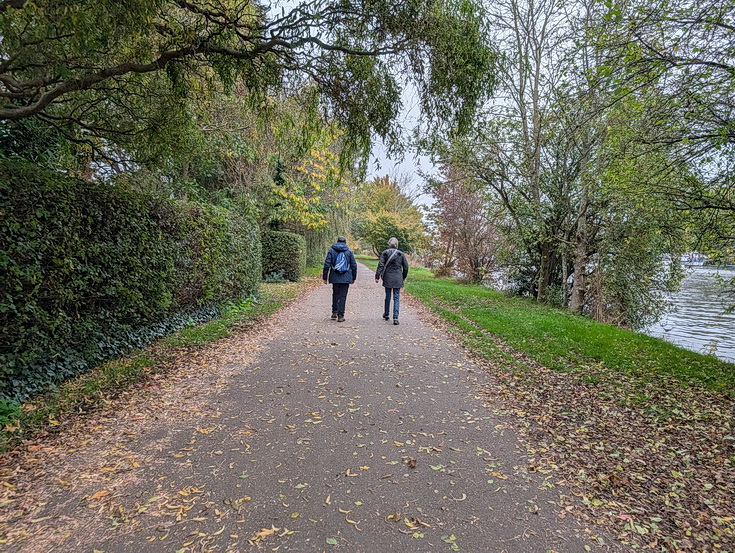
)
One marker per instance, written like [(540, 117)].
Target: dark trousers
[(396, 293), (339, 298)]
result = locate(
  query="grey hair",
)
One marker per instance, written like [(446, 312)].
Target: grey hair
[(393, 242)]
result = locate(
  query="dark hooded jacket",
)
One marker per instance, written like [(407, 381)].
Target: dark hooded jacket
[(395, 272), (333, 276)]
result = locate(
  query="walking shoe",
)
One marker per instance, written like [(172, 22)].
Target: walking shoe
[(334, 315), (395, 321), (340, 319), (386, 317)]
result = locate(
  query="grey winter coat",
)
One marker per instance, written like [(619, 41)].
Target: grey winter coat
[(395, 272), (333, 276)]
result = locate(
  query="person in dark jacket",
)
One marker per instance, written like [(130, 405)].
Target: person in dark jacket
[(393, 269), (340, 281)]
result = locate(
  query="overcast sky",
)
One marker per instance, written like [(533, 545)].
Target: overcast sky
[(410, 166)]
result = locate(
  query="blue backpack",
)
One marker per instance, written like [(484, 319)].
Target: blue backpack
[(341, 265)]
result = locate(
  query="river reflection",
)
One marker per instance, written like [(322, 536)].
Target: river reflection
[(699, 321)]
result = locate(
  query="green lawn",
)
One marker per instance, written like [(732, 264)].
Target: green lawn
[(559, 339)]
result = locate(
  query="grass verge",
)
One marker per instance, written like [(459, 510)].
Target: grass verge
[(84, 393), (635, 434), (562, 340)]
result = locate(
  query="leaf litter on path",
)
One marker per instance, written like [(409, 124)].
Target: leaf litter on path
[(652, 461)]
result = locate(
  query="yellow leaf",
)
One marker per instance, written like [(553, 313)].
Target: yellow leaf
[(264, 533), (99, 494), (347, 520)]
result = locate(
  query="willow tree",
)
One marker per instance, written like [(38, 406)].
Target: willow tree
[(113, 70), (682, 56)]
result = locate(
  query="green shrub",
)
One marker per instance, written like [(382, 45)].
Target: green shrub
[(275, 277), (284, 251), (88, 271), (10, 413)]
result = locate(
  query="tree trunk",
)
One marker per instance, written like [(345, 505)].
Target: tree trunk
[(579, 287), (544, 273), (564, 277)]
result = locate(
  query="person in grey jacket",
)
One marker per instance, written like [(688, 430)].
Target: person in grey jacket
[(340, 280), (393, 269)]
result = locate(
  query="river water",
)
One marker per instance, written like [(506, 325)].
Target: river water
[(698, 321)]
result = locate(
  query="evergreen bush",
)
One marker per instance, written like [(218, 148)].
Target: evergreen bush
[(284, 251), (88, 271)]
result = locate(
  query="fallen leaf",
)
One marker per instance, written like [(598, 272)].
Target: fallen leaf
[(263, 534), (410, 461)]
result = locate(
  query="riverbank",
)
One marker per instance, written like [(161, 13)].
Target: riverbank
[(641, 430), (60, 408)]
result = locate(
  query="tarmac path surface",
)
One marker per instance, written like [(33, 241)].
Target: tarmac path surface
[(359, 436)]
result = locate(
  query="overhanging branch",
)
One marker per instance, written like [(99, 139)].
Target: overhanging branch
[(5, 5)]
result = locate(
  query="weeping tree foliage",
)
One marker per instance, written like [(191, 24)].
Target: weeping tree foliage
[(118, 71), (681, 55), (686, 52)]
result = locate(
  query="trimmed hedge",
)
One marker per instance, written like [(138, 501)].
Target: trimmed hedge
[(284, 252), (88, 271)]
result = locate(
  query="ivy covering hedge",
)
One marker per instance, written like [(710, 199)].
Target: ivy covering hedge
[(89, 270), (285, 253)]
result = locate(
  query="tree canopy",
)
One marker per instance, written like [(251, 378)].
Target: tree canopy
[(116, 69)]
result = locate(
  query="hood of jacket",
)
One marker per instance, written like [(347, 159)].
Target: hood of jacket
[(340, 247)]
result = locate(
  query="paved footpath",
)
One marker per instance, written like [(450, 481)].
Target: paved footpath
[(358, 436)]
